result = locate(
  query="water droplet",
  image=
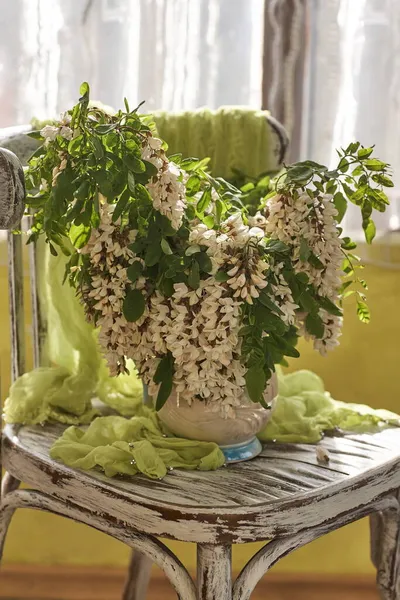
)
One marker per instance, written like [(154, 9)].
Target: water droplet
[(131, 445), (170, 468)]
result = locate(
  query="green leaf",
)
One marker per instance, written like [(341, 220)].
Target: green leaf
[(97, 147), (102, 179), (131, 182), (142, 194), (330, 306), (353, 147), (307, 302), (366, 211), (133, 305), (163, 370), (364, 152), (358, 171), (204, 261), (382, 179), (315, 325), (304, 250), (277, 246), (84, 90), (369, 230), (220, 209), (348, 244), (36, 135), (378, 199), (164, 375), (192, 250), (331, 187), (347, 266), (344, 286), (302, 277), (373, 164), (193, 185), (75, 146), (204, 201), (255, 383), (164, 393), (343, 165), (153, 253), (151, 171), (221, 277), (104, 129), (79, 235), (299, 173), (348, 190), (165, 247), (121, 205), (134, 163), (266, 301), (209, 221), (134, 271), (315, 262), (126, 105), (363, 312), (358, 197), (194, 275)]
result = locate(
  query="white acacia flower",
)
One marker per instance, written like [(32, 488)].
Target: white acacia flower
[(49, 132), (65, 118), (66, 132)]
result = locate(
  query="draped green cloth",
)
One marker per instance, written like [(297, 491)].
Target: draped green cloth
[(236, 138)]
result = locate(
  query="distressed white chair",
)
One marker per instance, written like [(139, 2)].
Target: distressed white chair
[(284, 496)]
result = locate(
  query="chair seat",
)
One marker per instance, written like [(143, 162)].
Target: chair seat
[(280, 492)]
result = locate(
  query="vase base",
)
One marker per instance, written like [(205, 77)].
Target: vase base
[(239, 452)]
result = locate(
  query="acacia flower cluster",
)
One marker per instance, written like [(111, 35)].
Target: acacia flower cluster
[(205, 293)]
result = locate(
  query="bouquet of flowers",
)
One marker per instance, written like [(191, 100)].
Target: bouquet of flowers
[(206, 287)]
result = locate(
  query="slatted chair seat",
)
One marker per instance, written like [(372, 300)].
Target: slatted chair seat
[(284, 495), (280, 492)]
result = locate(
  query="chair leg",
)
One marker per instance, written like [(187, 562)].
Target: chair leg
[(6, 513), (138, 578), (214, 572), (375, 528), (386, 531)]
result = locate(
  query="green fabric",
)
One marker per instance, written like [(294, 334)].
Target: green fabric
[(77, 373), (304, 411), (128, 446), (234, 137)]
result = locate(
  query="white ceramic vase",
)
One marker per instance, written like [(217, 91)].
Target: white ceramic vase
[(235, 434)]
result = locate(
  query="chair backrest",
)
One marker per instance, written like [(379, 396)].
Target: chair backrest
[(16, 303)]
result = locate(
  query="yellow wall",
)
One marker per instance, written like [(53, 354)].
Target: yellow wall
[(365, 368)]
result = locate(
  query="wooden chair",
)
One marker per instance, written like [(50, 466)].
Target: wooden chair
[(285, 495)]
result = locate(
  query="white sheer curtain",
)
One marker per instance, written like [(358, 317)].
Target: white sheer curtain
[(174, 54), (353, 88)]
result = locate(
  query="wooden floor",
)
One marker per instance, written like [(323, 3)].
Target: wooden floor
[(19, 582)]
